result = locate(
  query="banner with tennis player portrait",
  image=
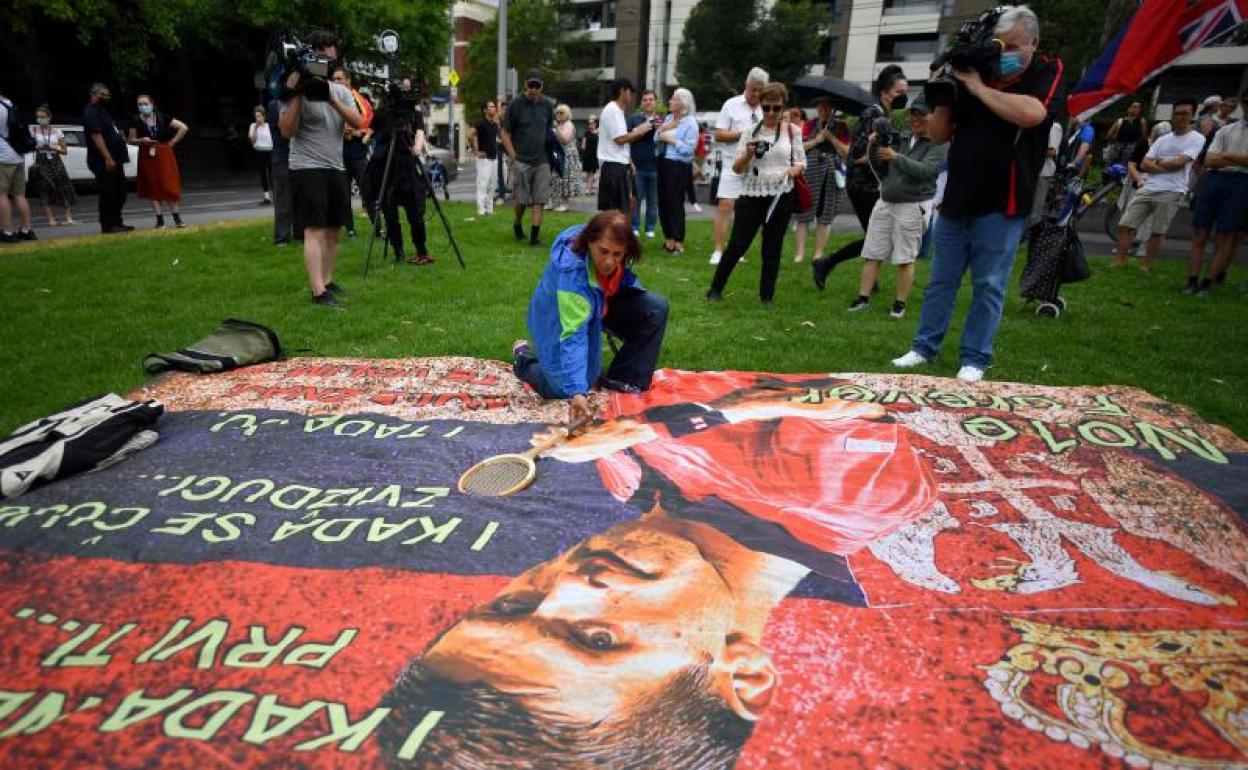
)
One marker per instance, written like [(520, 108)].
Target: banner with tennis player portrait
[(732, 570)]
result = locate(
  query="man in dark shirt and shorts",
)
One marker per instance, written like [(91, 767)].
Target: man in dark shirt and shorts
[(529, 120), (999, 135), (107, 155), (320, 193)]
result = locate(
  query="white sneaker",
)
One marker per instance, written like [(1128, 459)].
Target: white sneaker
[(637, 233), (697, 209), (910, 360), (715, 255), (970, 374), (649, 233)]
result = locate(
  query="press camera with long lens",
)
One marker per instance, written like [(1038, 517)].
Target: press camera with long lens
[(974, 47), (287, 54)]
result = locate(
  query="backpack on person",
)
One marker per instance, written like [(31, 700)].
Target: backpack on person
[(17, 134)]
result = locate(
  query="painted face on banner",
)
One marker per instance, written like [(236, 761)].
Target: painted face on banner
[(590, 634)]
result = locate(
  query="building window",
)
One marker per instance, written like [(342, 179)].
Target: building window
[(907, 47), (902, 7)]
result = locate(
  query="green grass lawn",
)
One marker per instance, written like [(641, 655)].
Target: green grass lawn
[(78, 317)]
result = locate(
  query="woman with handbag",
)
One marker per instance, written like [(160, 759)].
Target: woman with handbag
[(49, 174), (822, 163), (570, 184), (677, 138), (769, 157), (160, 181)]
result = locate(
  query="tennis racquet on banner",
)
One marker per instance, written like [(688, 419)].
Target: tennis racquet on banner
[(504, 475)]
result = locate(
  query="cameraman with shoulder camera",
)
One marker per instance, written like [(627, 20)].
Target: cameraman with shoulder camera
[(320, 195), (999, 129)]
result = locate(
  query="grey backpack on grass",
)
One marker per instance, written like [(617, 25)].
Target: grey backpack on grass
[(235, 343)]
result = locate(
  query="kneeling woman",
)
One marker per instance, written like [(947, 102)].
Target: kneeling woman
[(588, 287)]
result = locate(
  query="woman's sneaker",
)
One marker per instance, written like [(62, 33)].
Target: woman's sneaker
[(898, 310), (970, 373), (910, 360), (860, 303)]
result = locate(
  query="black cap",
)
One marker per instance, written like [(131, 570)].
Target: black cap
[(533, 74)]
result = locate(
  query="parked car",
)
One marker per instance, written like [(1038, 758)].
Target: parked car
[(76, 160)]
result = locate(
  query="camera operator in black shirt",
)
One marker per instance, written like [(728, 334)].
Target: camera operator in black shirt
[(400, 122), (998, 128)]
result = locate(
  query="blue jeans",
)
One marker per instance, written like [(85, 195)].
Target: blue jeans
[(647, 191), (986, 245)]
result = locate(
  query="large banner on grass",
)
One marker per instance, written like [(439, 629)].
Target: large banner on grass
[(733, 570)]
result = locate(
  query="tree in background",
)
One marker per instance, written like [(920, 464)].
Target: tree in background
[(134, 35), (535, 38), (725, 38)]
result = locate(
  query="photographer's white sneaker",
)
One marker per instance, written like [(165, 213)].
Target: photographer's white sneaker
[(970, 374), (715, 255), (910, 360)]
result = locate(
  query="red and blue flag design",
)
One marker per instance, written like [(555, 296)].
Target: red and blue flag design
[(1158, 34)]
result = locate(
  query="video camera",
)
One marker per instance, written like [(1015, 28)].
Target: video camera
[(974, 47), (287, 54)]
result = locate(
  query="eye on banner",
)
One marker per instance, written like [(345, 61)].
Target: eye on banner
[(732, 570)]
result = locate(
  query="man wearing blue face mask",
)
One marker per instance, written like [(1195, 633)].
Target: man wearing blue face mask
[(998, 131)]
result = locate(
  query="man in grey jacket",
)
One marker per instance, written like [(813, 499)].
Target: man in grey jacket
[(907, 185)]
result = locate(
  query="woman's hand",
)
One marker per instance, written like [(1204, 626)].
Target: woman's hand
[(579, 408), (598, 440)]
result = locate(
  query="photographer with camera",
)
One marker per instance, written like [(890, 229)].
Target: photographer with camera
[(861, 185), (313, 118), (1004, 97), (768, 157), (907, 169), (399, 123)]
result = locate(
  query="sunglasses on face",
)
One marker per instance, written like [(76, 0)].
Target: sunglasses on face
[(769, 108), (533, 84)]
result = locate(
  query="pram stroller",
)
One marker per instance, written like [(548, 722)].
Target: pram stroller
[(1054, 252)]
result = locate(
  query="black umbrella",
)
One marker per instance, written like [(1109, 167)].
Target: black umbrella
[(844, 95)]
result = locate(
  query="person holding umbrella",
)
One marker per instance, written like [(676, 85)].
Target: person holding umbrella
[(861, 184), (823, 168)]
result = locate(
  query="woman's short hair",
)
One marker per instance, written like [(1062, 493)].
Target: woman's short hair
[(563, 109), (44, 108), (148, 97), (686, 98), (773, 92), (259, 108), (611, 224)]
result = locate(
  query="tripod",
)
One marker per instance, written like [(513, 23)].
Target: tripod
[(400, 135)]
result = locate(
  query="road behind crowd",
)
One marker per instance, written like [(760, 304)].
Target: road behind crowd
[(237, 197)]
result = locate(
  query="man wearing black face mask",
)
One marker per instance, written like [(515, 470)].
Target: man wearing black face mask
[(106, 157), (999, 133)]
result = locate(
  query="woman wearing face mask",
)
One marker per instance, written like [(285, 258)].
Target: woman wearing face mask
[(49, 173), (159, 179), (767, 158), (861, 185)]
